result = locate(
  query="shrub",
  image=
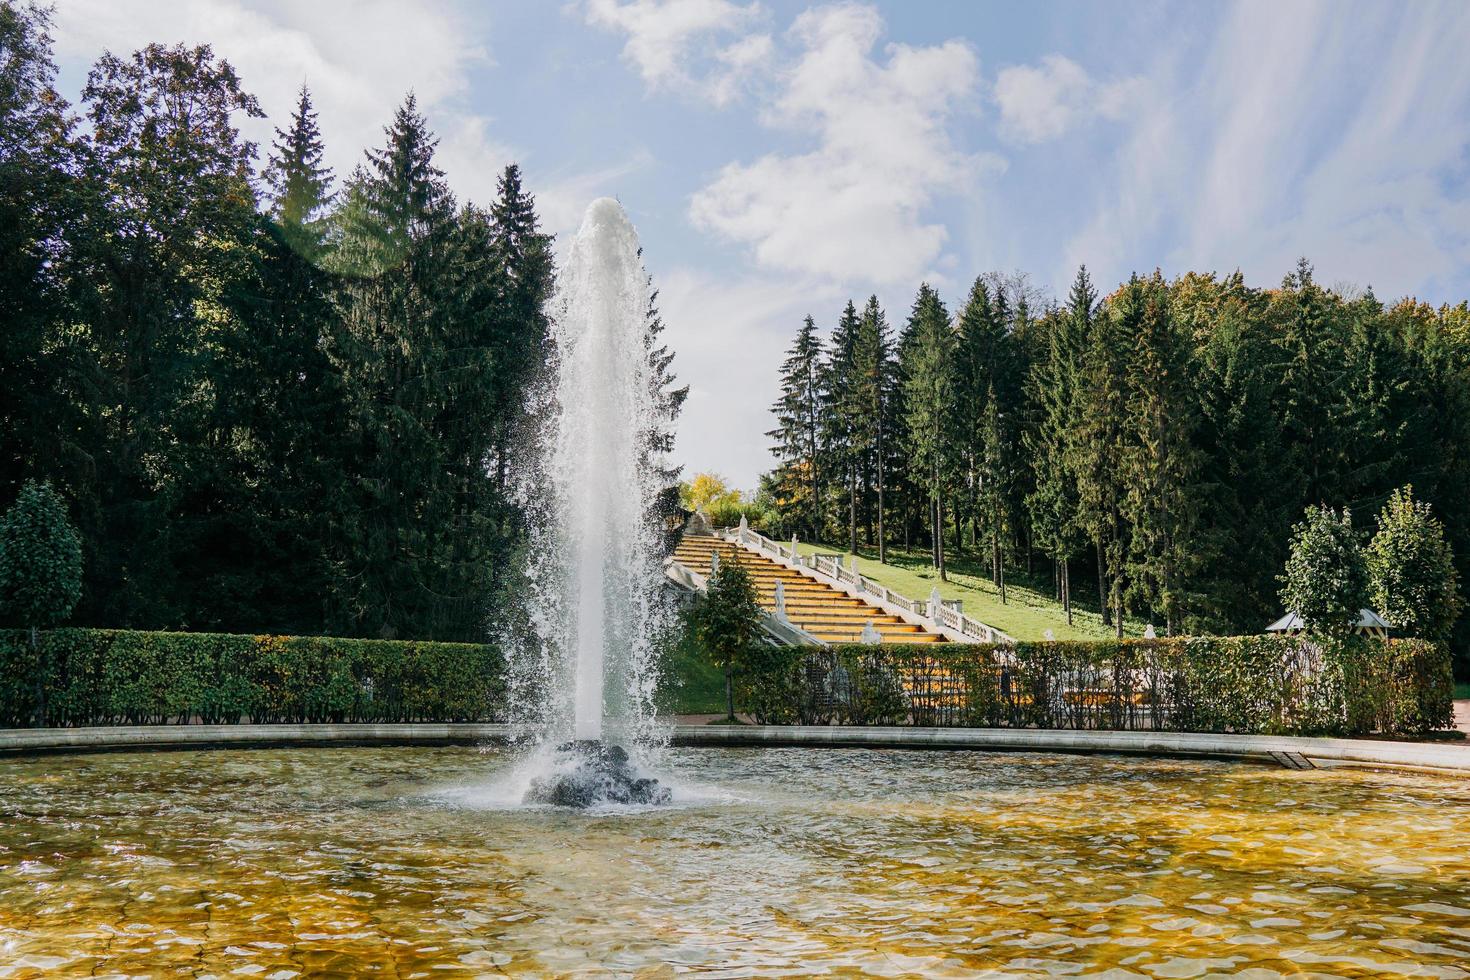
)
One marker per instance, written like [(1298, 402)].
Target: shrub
[(1411, 570), (40, 559), (1326, 580), (1350, 685), (109, 677)]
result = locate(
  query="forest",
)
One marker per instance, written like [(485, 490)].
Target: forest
[(1147, 452), (273, 401)]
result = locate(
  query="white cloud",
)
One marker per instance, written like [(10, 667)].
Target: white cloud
[(1300, 132), (663, 36), (730, 334), (1043, 102), (359, 57), (854, 207)]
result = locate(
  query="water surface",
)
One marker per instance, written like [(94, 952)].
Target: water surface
[(399, 862)]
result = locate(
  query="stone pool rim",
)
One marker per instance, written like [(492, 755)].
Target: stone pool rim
[(1286, 751)]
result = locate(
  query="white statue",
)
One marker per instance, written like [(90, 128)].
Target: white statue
[(780, 599), (714, 563), (870, 634), (934, 603), (1148, 632), (1048, 636)]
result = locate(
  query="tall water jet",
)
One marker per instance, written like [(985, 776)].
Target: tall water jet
[(597, 573)]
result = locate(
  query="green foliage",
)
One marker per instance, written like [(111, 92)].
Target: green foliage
[(1167, 434), (1411, 572), (109, 677), (1326, 580), (1276, 685), (726, 620), (40, 559)]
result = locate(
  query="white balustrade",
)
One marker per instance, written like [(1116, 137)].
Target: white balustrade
[(830, 567)]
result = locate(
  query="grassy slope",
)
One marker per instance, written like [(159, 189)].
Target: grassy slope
[(691, 683), (1026, 615), (1462, 692)]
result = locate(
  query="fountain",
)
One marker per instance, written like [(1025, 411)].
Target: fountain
[(599, 602)]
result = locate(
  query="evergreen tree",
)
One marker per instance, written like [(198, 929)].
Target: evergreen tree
[(668, 401), (1052, 382), (797, 435), (393, 562), (840, 409), (526, 278), (873, 379), (1100, 440), (726, 622), (300, 182), (930, 399), (1411, 570), (1160, 462)]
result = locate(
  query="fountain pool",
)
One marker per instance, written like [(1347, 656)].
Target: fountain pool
[(399, 861)]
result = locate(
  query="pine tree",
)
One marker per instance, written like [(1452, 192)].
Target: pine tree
[(839, 409), (300, 182), (931, 399), (668, 401), (797, 434), (1160, 462), (1096, 440), (873, 377)]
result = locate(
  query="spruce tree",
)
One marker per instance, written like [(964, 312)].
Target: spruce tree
[(931, 399), (1160, 462), (300, 182), (840, 410), (797, 435), (1097, 439), (873, 377)]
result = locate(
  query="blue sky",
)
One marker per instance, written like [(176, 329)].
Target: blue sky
[(779, 157)]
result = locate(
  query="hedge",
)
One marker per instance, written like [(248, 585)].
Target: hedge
[(1247, 684), (114, 677), (1278, 685)]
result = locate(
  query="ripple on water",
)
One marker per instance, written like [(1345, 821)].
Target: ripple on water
[(293, 862)]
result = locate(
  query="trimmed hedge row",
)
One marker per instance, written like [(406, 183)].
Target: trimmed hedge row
[(1248, 684), (109, 677), (1280, 685)]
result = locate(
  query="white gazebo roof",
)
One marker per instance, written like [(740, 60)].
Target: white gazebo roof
[(1367, 620)]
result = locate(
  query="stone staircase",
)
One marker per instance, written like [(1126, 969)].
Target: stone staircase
[(816, 608)]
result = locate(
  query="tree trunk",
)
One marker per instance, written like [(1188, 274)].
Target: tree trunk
[(852, 511), (1102, 588), (939, 537), (729, 696), (882, 540), (1067, 589)]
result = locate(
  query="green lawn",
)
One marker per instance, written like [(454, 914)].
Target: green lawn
[(1462, 692), (691, 683), (1026, 615)]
